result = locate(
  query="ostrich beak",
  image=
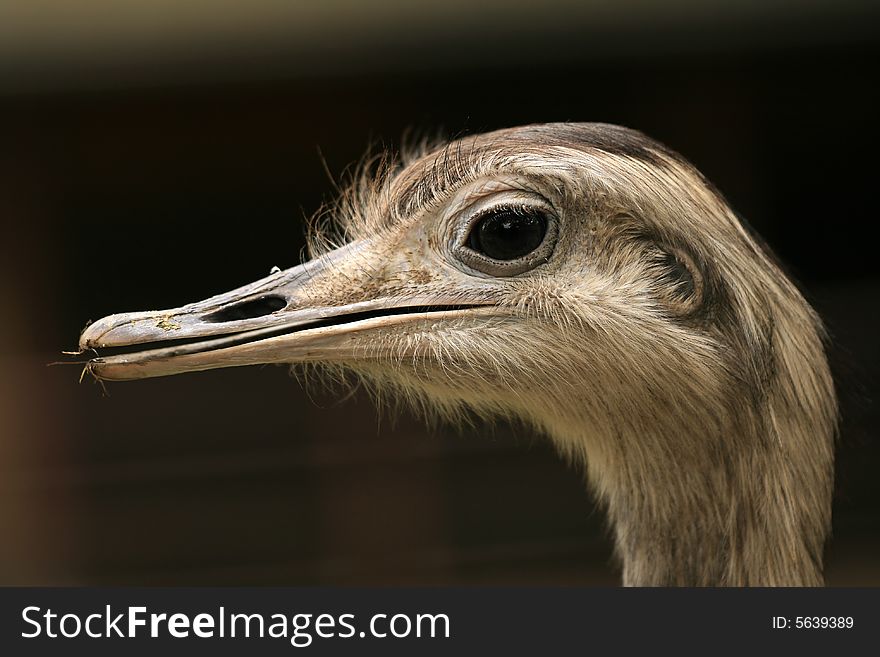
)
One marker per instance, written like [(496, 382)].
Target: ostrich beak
[(312, 312)]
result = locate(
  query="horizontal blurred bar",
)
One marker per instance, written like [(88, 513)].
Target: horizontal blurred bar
[(49, 45)]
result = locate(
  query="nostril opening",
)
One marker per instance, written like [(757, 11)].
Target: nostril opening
[(247, 309)]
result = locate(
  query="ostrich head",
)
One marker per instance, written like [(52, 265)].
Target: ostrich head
[(590, 282)]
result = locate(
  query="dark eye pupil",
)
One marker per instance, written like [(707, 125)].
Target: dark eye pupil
[(508, 234)]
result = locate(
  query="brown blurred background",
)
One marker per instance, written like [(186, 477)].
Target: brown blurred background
[(156, 152)]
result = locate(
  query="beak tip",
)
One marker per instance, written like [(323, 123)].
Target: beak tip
[(91, 334), (85, 340), (95, 333), (124, 328)]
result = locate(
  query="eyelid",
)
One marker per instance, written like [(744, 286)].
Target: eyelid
[(469, 216)]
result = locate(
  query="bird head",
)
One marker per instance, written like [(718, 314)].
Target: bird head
[(580, 277)]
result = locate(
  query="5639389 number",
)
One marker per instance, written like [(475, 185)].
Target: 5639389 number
[(823, 622)]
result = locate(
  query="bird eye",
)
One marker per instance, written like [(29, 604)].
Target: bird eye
[(508, 233)]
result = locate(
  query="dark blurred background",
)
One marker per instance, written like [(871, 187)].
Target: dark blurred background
[(154, 153)]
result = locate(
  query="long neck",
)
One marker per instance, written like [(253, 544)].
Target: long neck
[(746, 522), (745, 501), (748, 504)]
